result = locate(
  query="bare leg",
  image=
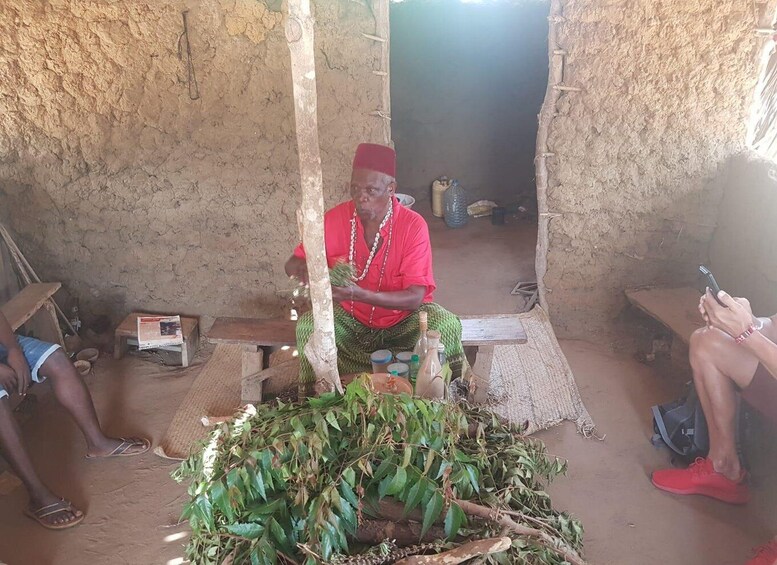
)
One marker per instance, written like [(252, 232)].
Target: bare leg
[(19, 459), (72, 393), (719, 365)]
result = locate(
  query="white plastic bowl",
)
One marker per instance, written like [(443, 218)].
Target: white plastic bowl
[(406, 200)]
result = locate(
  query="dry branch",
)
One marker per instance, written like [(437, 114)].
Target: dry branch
[(321, 350), (494, 515), (461, 554)]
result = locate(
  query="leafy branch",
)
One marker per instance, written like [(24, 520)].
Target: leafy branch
[(307, 479)]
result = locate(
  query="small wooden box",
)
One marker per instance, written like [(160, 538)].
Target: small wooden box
[(128, 331)]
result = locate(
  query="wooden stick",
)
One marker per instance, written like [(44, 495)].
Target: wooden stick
[(555, 77), (460, 554), (383, 30), (321, 350), (493, 515)]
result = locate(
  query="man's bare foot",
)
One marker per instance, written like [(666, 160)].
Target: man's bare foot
[(54, 513), (119, 447)]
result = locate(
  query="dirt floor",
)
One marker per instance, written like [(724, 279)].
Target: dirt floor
[(133, 506)]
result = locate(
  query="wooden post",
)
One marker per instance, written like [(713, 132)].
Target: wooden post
[(547, 113), (383, 30), (321, 350)]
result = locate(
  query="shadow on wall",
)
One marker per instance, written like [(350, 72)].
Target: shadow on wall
[(743, 254), (467, 83)]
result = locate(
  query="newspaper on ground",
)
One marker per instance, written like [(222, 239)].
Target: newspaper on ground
[(159, 331)]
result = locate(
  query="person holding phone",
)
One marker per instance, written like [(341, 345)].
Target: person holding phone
[(735, 353)]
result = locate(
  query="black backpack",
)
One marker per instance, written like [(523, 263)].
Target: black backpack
[(680, 425)]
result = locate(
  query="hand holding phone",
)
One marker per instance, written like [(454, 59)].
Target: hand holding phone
[(712, 284)]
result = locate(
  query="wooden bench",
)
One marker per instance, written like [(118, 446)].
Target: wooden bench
[(28, 302), (675, 308), (258, 338)]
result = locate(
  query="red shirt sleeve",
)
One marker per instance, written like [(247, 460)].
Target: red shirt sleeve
[(416, 266)]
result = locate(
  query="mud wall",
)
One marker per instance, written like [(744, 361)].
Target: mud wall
[(467, 82), (136, 196), (743, 255), (635, 179)]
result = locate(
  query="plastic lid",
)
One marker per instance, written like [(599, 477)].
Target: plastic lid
[(394, 373), (381, 356), (415, 358)]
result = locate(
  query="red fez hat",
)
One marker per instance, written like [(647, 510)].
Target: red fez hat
[(376, 158)]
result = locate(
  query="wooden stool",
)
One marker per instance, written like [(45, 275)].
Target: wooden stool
[(479, 335), (128, 332)]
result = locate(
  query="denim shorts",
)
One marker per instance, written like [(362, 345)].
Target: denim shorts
[(35, 351)]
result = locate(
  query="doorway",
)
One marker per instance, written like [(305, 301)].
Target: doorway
[(468, 80)]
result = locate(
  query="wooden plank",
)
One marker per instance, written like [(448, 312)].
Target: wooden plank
[(24, 305), (499, 329), (270, 332), (676, 308)]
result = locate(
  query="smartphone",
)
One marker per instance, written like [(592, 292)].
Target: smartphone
[(711, 283)]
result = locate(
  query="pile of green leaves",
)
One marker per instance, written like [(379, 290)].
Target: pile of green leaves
[(305, 475)]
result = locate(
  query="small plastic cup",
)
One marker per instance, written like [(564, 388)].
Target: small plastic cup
[(401, 369), (381, 359)]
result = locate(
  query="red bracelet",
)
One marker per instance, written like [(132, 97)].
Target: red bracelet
[(745, 334)]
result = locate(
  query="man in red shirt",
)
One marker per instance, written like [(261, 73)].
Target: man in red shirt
[(389, 249)]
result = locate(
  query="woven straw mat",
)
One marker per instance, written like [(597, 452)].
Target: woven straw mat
[(532, 382), (215, 392)]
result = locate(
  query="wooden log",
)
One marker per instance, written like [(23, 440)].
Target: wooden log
[(460, 554), (404, 534), (321, 350)]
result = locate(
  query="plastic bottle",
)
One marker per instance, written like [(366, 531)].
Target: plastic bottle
[(415, 364), (439, 187), (455, 206), (429, 383), (422, 344)]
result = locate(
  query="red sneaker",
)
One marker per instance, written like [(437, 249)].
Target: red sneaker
[(701, 478), (765, 555)]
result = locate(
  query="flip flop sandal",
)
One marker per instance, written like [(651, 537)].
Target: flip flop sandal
[(125, 445), (59, 507)]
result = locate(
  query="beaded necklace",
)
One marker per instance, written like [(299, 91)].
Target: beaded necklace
[(351, 255)]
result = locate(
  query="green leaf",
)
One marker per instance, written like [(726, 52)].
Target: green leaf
[(384, 486), (408, 456), (220, 497), (347, 493), (432, 512), (258, 484), (245, 530), (350, 476), (398, 482), (414, 497), (332, 419), (349, 517), (454, 520), (383, 469), (474, 478)]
